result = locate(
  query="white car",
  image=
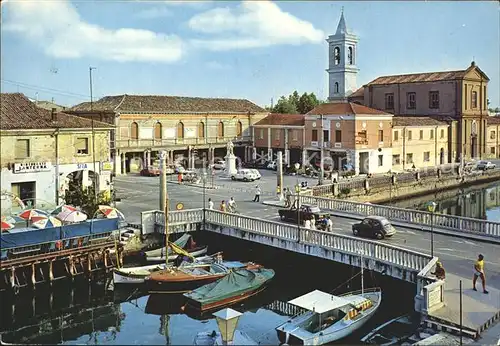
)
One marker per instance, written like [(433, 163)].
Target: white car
[(256, 173), (485, 165), (244, 175), (219, 164)]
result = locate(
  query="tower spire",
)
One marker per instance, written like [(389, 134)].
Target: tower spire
[(342, 27)]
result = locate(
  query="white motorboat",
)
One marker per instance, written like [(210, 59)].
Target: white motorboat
[(327, 318), (393, 332)]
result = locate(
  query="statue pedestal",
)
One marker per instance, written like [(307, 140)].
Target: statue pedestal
[(230, 165)]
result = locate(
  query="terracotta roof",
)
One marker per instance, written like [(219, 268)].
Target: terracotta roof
[(19, 113), (282, 119), (417, 121), (358, 93), (493, 120), (344, 108), (169, 104)]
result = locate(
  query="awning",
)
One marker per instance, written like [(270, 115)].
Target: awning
[(319, 302)]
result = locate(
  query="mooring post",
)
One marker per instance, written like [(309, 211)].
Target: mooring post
[(51, 273), (71, 267), (105, 259), (13, 277), (89, 266), (33, 278)]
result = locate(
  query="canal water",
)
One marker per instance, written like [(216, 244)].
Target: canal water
[(83, 313), (480, 202)]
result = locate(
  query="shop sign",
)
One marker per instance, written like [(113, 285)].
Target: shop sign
[(32, 167), (81, 166), (106, 166)]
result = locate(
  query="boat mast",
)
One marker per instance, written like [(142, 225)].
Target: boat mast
[(164, 197), (362, 274)]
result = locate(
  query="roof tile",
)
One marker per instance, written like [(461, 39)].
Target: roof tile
[(418, 121), (19, 113), (345, 108), (419, 77), (169, 104), (282, 119), (493, 120)]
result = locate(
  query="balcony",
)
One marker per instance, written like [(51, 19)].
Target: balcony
[(179, 142)]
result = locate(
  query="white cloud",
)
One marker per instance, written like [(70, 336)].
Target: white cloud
[(253, 24), (57, 27), (154, 12), (194, 3)]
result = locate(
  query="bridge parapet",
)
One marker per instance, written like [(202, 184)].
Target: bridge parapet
[(423, 218)]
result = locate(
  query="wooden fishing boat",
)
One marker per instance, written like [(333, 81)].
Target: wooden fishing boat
[(393, 332), (136, 275), (238, 285), (189, 276), (160, 252)]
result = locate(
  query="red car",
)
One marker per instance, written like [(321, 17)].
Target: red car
[(150, 172)]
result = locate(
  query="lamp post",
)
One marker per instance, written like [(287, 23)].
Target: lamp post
[(297, 191), (431, 207), (227, 320)]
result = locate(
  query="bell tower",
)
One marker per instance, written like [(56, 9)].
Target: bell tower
[(342, 70)]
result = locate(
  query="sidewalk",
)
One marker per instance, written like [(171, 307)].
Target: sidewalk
[(479, 310), (447, 232)]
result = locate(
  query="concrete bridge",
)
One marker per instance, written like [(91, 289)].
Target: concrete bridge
[(396, 261)]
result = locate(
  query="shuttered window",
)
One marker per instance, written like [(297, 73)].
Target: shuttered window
[(158, 129), (220, 130), (82, 146), (22, 149), (134, 131), (201, 130), (180, 130), (239, 129)]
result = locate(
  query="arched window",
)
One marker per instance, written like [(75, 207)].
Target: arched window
[(134, 131), (350, 56), (239, 129), (336, 89), (201, 130), (220, 130), (180, 130), (158, 129), (336, 55)]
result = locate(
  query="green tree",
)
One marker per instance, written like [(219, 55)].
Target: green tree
[(296, 103), (83, 197)]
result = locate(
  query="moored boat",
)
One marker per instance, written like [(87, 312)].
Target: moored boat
[(160, 252), (393, 332), (238, 285), (197, 251), (327, 318)]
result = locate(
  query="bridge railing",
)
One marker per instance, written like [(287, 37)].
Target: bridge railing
[(423, 218), (367, 248)]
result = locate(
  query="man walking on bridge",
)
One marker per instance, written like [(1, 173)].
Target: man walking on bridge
[(479, 272)]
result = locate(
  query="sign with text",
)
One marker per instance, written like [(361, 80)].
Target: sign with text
[(32, 167), (106, 166)]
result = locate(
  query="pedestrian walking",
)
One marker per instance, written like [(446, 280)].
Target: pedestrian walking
[(439, 271), (313, 222), (288, 198), (479, 272), (258, 191), (223, 206), (210, 204), (329, 225)]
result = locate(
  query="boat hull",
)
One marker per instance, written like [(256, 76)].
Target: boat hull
[(202, 250), (179, 286)]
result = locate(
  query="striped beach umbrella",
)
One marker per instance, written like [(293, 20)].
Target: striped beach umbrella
[(6, 224), (63, 209), (71, 216), (110, 212), (28, 214), (45, 222)]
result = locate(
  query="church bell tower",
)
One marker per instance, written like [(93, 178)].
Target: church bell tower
[(342, 70)]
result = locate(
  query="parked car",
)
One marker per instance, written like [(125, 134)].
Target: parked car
[(244, 175), (485, 165), (306, 212), (374, 226), (151, 171), (219, 165), (256, 172)]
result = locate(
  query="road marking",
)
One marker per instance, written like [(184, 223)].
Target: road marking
[(446, 249), (410, 232), (469, 242)]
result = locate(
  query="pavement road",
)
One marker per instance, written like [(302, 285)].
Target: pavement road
[(458, 255)]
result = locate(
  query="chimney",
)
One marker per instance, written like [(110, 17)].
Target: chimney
[(53, 114)]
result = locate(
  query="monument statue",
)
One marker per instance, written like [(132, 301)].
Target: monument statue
[(230, 147)]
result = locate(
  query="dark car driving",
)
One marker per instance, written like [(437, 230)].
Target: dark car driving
[(375, 227), (306, 212)]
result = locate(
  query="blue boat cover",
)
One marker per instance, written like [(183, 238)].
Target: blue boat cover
[(233, 264)]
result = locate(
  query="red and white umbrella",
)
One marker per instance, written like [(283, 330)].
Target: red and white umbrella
[(71, 216), (45, 222), (63, 208), (110, 212), (6, 225), (28, 214)]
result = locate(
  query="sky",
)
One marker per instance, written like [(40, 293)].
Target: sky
[(256, 50)]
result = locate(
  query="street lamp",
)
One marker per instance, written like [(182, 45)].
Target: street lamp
[(431, 207), (227, 320), (297, 191)]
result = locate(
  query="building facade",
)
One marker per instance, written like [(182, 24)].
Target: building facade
[(279, 132), (418, 142), (493, 138), (42, 150), (190, 129)]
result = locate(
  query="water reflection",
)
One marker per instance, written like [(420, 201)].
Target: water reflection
[(477, 202)]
